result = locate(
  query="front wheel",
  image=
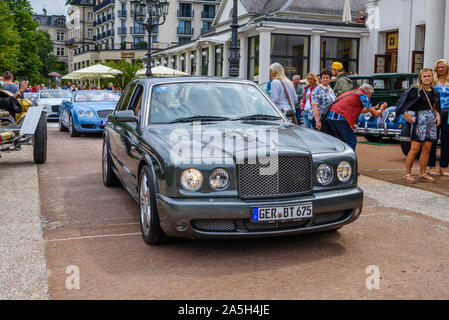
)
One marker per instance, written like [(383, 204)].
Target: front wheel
[(109, 177), (72, 130), (149, 219), (61, 126), (372, 138), (40, 140)]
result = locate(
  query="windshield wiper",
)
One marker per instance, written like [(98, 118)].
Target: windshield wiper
[(258, 117), (200, 118)]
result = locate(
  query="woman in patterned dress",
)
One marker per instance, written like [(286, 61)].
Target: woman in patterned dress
[(421, 105), (322, 98)]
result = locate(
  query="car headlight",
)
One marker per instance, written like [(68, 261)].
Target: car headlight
[(191, 179), (367, 116), (392, 116), (81, 113), (219, 179), (344, 171), (89, 114), (324, 174)]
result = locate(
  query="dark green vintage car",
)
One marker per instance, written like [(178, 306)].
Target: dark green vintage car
[(215, 158)]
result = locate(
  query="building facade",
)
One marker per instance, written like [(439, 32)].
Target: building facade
[(55, 25), (80, 33), (304, 36), (407, 35), (116, 35)]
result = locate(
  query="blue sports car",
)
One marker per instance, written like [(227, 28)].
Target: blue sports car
[(374, 129), (87, 111)]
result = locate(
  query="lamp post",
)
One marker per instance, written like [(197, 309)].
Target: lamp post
[(234, 57), (156, 9)]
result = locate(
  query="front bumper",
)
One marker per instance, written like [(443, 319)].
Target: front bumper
[(378, 132), (90, 125), (237, 212)]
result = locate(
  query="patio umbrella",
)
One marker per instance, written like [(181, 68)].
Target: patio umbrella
[(96, 72), (347, 12), (54, 74), (162, 71)]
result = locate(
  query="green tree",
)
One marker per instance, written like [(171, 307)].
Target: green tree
[(19, 5), (9, 41), (128, 69)]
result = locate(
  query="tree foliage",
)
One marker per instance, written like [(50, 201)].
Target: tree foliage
[(9, 41), (128, 69)]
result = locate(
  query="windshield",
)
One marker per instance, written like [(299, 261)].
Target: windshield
[(171, 102), (56, 94), (97, 96)]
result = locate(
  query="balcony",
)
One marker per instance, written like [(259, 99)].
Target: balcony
[(185, 31), (121, 30), (140, 46), (122, 14), (206, 30), (137, 30), (138, 13), (103, 5), (186, 14)]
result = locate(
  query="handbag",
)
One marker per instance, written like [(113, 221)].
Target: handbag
[(295, 121)]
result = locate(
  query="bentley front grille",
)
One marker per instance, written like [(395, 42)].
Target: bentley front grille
[(291, 176), (104, 113)]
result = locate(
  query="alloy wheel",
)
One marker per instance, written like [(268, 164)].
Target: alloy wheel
[(145, 205)]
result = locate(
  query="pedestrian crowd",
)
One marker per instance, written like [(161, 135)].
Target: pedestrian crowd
[(328, 103)]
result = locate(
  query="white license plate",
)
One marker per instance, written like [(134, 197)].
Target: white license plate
[(303, 211)]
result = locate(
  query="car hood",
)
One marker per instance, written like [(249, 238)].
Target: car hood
[(95, 106), (50, 101), (248, 135)]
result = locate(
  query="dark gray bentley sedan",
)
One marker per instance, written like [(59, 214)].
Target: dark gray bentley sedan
[(215, 158)]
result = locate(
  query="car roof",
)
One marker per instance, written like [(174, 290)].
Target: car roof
[(156, 80), (383, 75)]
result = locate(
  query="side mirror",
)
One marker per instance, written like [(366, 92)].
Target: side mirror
[(290, 113), (125, 116)]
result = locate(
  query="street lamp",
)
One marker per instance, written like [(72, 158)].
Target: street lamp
[(156, 9), (234, 57)]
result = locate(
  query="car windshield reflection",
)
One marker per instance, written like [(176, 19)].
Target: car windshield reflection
[(209, 101), (56, 94), (96, 96)]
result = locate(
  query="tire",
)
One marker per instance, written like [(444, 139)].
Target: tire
[(109, 177), (40, 140), (406, 145), (372, 138), (152, 233), (61, 127), (72, 130)]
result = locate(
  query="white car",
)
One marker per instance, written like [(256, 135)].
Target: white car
[(50, 100)]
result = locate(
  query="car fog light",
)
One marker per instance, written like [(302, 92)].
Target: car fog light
[(181, 225), (191, 179), (89, 114), (219, 179), (324, 174), (344, 171), (81, 113)]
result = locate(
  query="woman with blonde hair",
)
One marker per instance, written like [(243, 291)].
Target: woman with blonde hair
[(441, 73), (420, 105), (306, 104), (283, 92)]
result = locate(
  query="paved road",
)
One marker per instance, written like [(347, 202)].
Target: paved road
[(96, 229)]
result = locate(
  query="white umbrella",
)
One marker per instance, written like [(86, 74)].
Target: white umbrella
[(162, 71), (96, 72), (347, 12)]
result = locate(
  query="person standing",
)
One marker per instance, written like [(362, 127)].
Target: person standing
[(345, 111), (283, 92), (341, 83), (420, 105), (441, 73), (306, 104), (9, 83), (322, 97)]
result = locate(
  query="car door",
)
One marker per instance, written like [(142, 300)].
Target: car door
[(130, 142), (115, 132)]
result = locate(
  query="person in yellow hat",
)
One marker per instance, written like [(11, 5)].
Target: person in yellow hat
[(341, 83)]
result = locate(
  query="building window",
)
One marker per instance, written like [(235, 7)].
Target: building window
[(292, 52), (185, 10), (219, 60), (253, 58), (207, 25), (90, 33), (182, 40), (344, 50), (208, 11), (185, 27)]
